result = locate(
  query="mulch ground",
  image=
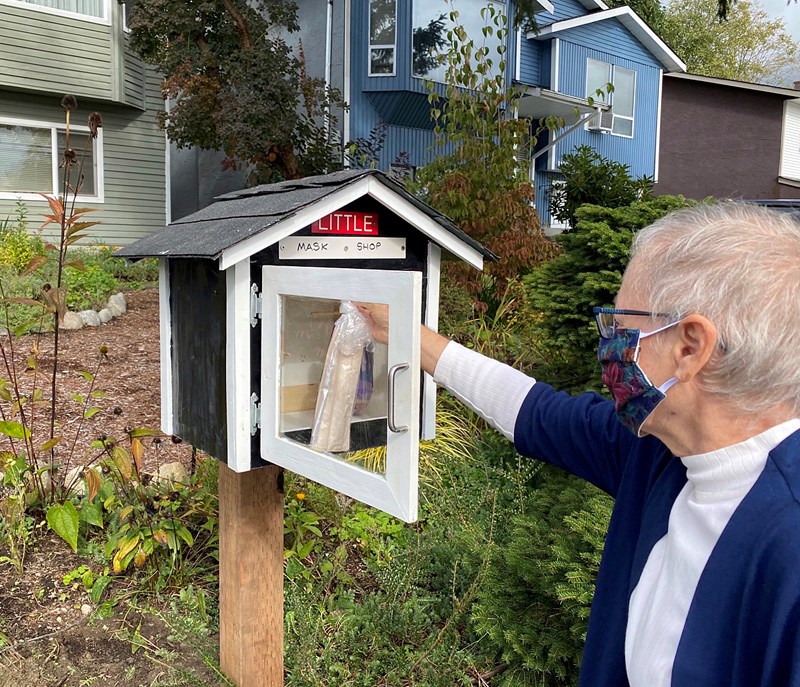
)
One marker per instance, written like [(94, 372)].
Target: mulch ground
[(45, 637)]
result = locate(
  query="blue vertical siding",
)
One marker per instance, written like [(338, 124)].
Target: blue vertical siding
[(564, 9), (530, 61), (613, 38)]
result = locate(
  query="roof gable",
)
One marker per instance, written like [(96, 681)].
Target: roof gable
[(240, 224), (631, 21)]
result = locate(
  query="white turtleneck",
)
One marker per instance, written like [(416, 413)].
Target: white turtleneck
[(718, 481)]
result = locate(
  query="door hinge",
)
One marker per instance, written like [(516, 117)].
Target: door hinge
[(255, 414), (256, 305)]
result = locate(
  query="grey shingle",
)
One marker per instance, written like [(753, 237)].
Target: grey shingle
[(237, 216)]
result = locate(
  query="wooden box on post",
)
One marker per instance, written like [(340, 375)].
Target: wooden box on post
[(251, 289)]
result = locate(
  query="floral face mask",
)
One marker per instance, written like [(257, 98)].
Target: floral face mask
[(635, 396)]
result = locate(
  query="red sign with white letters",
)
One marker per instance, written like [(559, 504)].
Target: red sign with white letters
[(352, 223)]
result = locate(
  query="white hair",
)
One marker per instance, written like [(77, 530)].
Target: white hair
[(738, 265)]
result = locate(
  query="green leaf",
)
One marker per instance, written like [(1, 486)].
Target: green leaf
[(91, 412), (92, 514), (185, 534), (142, 432), (98, 588), (49, 444), (63, 520), (88, 376), (15, 430)]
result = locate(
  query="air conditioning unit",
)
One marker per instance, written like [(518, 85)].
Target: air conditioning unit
[(602, 121)]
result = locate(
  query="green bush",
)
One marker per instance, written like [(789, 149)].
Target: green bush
[(89, 288), (534, 607), (589, 178), (17, 246), (587, 273)]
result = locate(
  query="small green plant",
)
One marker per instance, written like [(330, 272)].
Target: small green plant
[(17, 245)]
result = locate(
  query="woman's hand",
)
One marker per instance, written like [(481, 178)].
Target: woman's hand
[(377, 315)]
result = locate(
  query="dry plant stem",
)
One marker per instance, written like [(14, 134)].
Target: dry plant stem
[(83, 417)]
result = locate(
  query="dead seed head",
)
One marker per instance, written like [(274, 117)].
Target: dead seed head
[(69, 103), (95, 122), (69, 155)]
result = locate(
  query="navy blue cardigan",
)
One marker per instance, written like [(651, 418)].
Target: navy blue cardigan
[(743, 626)]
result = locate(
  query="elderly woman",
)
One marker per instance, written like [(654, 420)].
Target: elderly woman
[(700, 579)]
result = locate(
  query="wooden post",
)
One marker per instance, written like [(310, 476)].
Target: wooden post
[(251, 576)]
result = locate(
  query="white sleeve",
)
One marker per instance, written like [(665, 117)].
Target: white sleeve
[(492, 389)]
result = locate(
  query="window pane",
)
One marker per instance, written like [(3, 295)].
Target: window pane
[(598, 74), (621, 126), (91, 8), (382, 20), (84, 151), (381, 61), (26, 162), (332, 398), (624, 81), (431, 24)]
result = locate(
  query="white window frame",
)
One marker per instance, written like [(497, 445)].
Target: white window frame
[(105, 19), (612, 73), (381, 46), (55, 129)]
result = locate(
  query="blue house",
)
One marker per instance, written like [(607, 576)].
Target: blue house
[(372, 51)]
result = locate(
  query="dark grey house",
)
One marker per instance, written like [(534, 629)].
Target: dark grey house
[(728, 139)]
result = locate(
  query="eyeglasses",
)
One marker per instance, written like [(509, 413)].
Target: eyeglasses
[(607, 322)]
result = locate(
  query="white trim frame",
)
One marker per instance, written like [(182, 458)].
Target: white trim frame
[(165, 347), (658, 128), (55, 129), (431, 322), (381, 46), (105, 19), (555, 56), (364, 186), (396, 492), (237, 366)]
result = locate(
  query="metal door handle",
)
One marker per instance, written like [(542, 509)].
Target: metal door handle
[(390, 419)]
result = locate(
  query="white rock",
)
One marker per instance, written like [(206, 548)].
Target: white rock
[(76, 479), (90, 318), (3, 331), (114, 309), (172, 472), (86, 609), (118, 299), (72, 320), (105, 315)]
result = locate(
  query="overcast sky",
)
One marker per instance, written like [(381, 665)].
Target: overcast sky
[(790, 13)]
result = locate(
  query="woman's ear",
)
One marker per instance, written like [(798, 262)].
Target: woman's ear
[(693, 346)]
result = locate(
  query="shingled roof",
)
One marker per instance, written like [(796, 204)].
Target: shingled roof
[(236, 217)]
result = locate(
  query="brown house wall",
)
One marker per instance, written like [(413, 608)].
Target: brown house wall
[(720, 141)]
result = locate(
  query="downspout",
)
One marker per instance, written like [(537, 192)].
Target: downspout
[(346, 78), (328, 57)]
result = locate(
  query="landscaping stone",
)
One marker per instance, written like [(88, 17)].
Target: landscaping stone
[(105, 315), (3, 331), (75, 477), (172, 472), (72, 320), (118, 300), (90, 318), (114, 309)]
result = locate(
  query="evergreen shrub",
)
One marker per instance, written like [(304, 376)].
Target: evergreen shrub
[(588, 272)]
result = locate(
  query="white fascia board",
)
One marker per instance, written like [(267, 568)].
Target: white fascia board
[(632, 21), (302, 218), (418, 219), (658, 127)]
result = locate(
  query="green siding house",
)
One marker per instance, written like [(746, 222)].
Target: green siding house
[(49, 48)]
